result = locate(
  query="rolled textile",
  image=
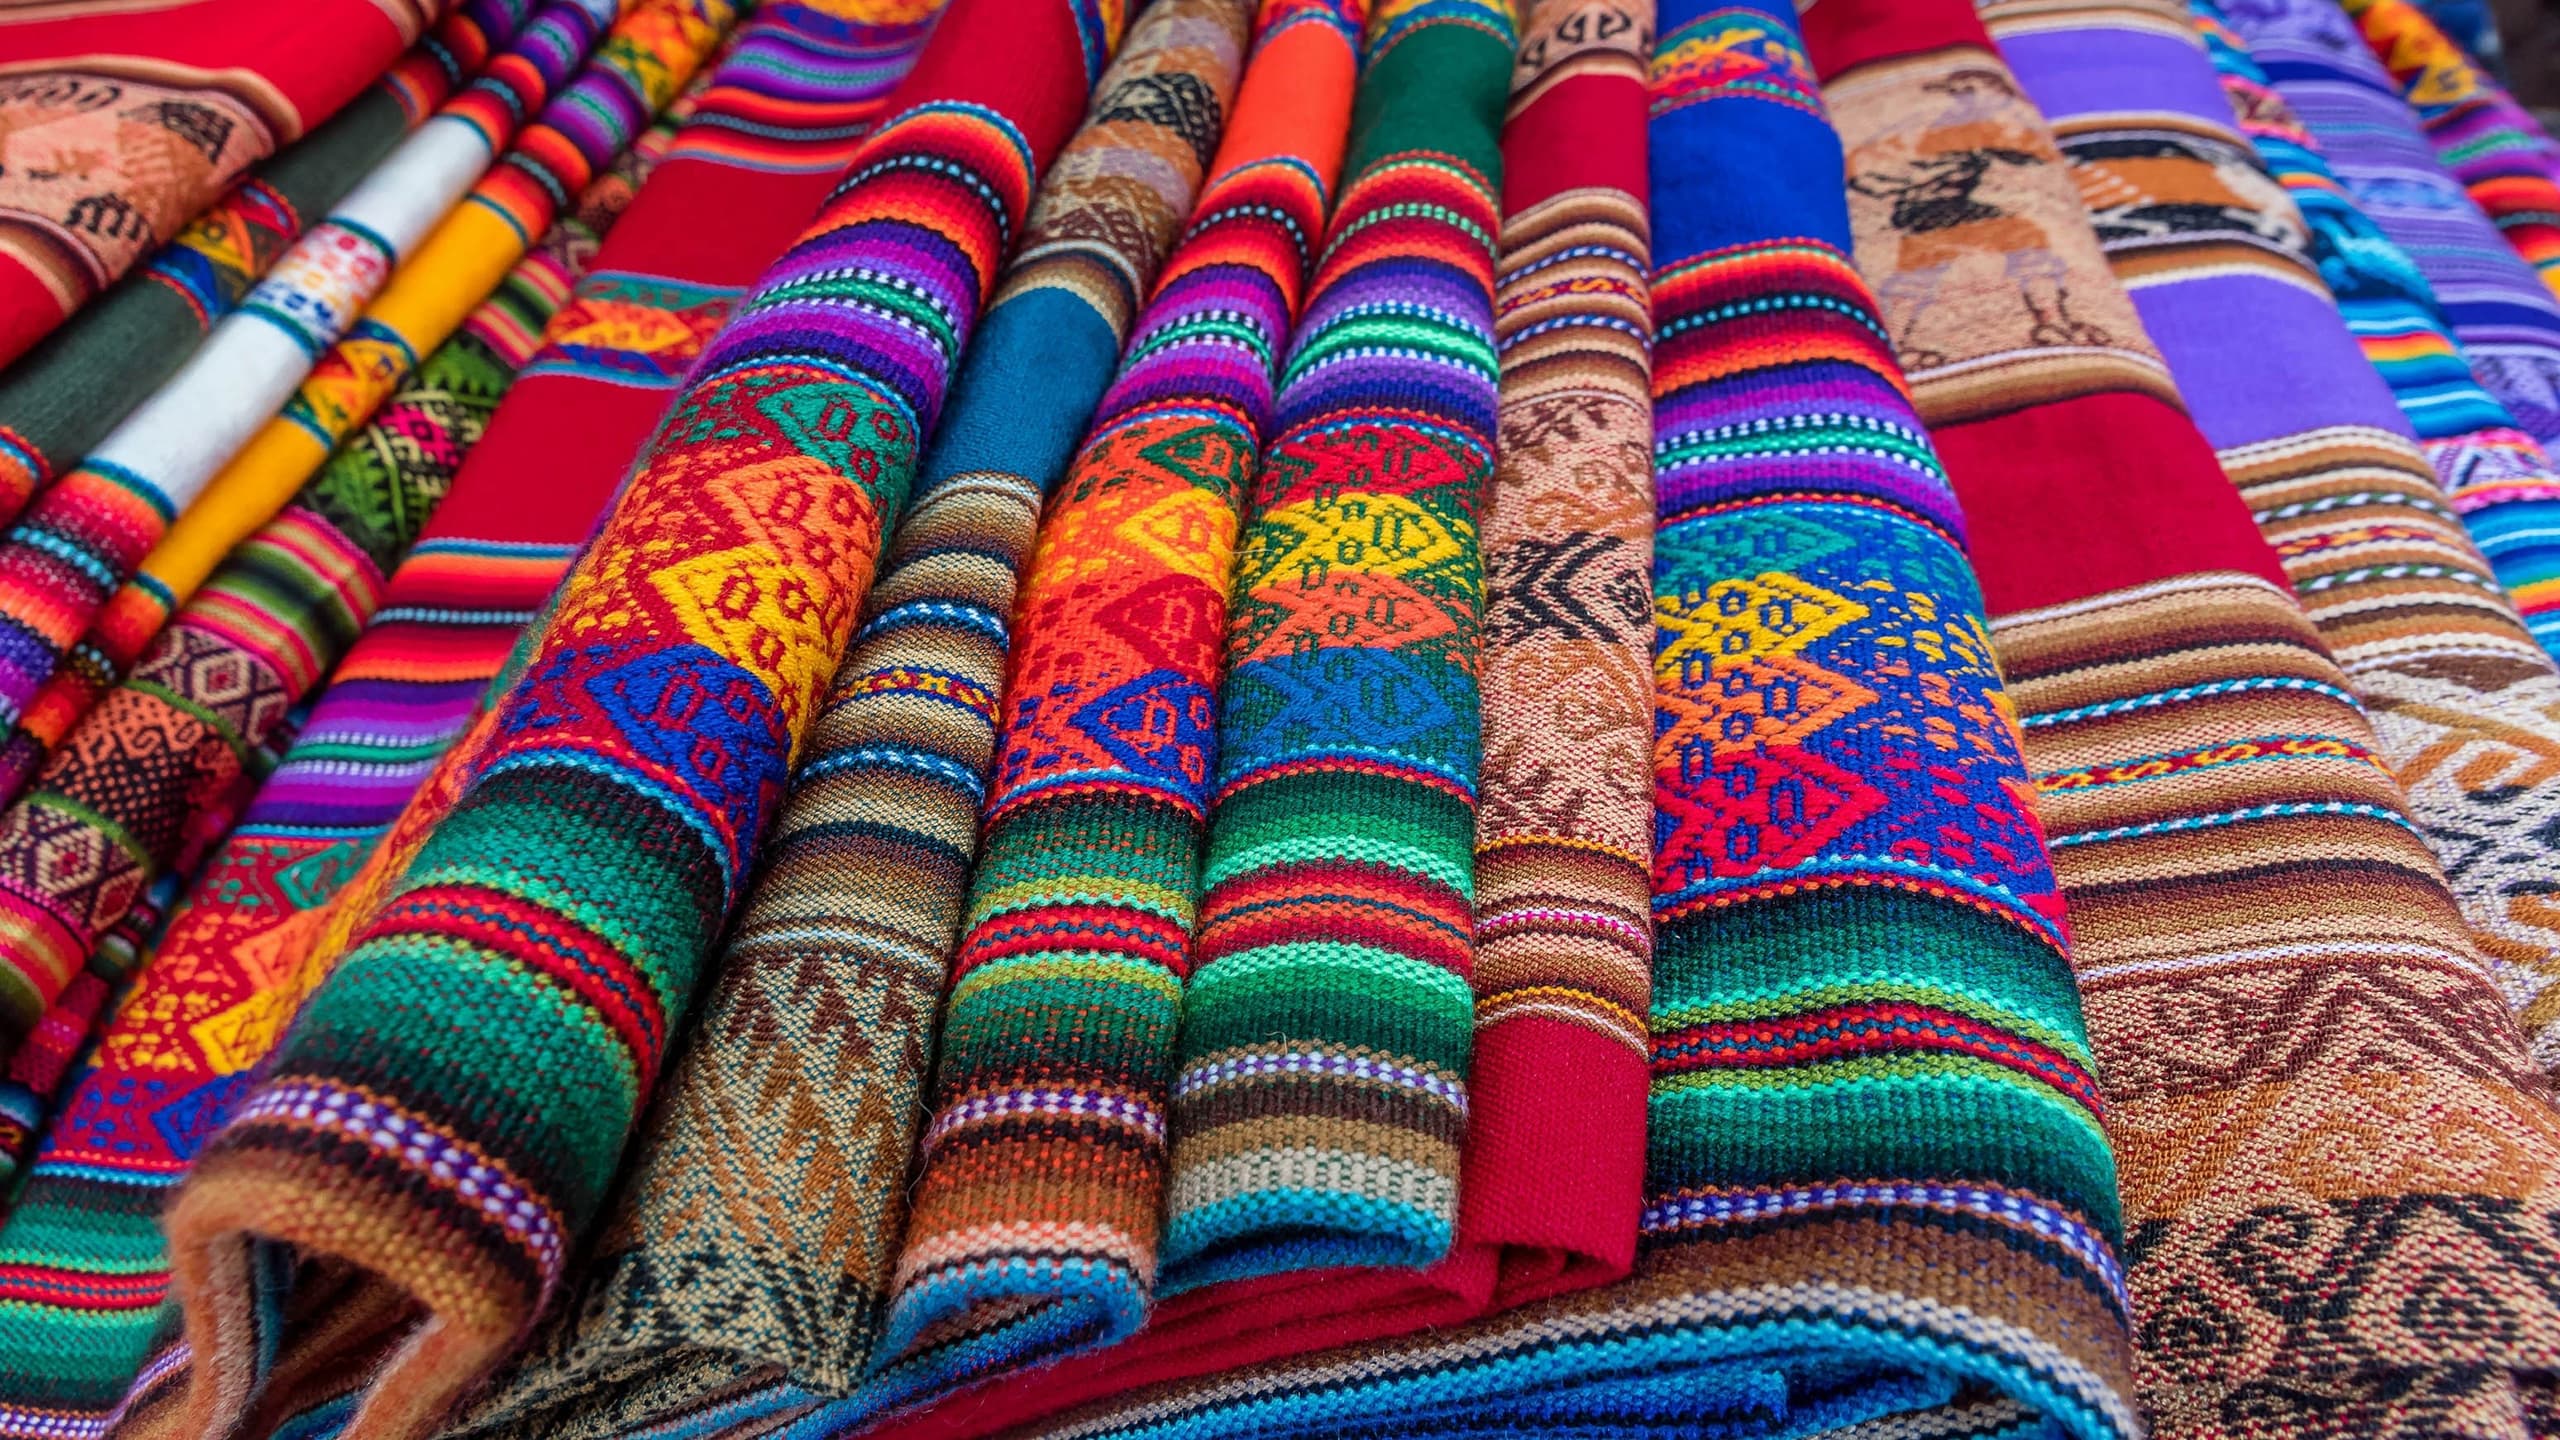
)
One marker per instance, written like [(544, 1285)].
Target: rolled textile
[(2496, 476), (2317, 1097), (2465, 703), (1877, 1194), (123, 121), (68, 862), (639, 66), (1552, 1174), (617, 795), (2502, 155), (2506, 318), (75, 384), (777, 123), (273, 620), (85, 534), (751, 1258), (648, 56)]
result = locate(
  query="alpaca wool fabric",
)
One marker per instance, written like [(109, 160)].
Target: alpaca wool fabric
[(807, 1074), (2232, 846), (212, 1004), (2500, 154), (2497, 478), (2466, 704), (1876, 1190), (636, 70), (85, 534), (1319, 1093), (624, 782), (113, 810), (2500, 309), (124, 121), (1550, 1183), (213, 692), (65, 394), (78, 867)]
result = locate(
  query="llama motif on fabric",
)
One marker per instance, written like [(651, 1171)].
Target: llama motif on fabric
[(1989, 302)]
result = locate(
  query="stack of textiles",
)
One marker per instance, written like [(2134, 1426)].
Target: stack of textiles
[(1276, 720)]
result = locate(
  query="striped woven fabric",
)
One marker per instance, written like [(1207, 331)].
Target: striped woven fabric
[(2505, 317), (84, 535), (73, 857), (2497, 477), (2230, 842), (804, 1085), (638, 68), (63, 396), (1551, 1176), (108, 817), (125, 119), (2466, 705), (2500, 154), (211, 695), (1319, 1093), (566, 889), (211, 1004), (1877, 1193)]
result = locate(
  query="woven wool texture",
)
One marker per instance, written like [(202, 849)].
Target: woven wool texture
[(598, 835), (125, 121), (84, 536), (637, 69), (2497, 477), (804, 1087), (775, 127), (117, 805), (2499, 308), (1876, 1189), (2233, 848), (1319, 1096), (67, 392), (71, 859), (2501, 155), (214, 691), (2466, 705), (1551, 1182)]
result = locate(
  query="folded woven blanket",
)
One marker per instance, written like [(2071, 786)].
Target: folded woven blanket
[(84, 536), (752, 1261), (63, 396), (2268, 952), (2465, 703), (2499, 307), (1552, 1172), (651, 52), (1877, 1193), (2502, 155), (565, 887), (124, 121)]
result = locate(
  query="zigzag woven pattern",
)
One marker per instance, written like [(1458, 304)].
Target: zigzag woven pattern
[(808, 1073), (647, 743), (2496, 476), (2500, 154), (2466, 704), (2232, 848), (1852, 998), (64, 395), (2506, 318), (83, 537), (1319, 1098), (635, 72), (82, 1270)]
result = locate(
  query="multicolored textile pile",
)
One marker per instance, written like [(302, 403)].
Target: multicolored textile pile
[(1276, 720)]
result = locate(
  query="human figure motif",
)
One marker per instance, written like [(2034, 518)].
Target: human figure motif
[(1939, 212)]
